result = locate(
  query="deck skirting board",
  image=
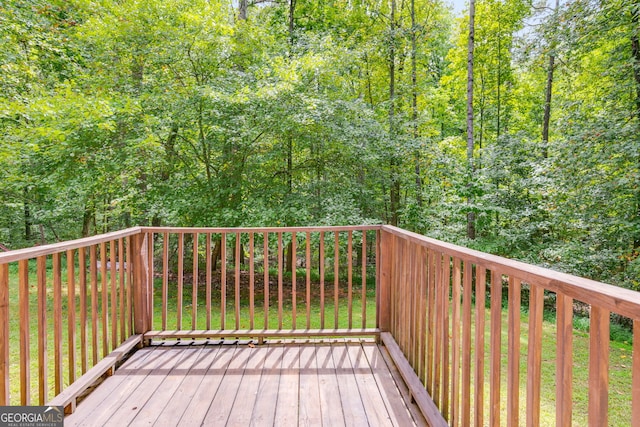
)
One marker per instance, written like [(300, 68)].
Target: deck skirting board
[(70, 394), (416, 389)]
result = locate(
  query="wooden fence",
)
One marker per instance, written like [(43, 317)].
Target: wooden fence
[(465, 328), (434, 299)]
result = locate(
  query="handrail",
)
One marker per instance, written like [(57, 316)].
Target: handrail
[(614, 298), (443, 303), (36, 251)]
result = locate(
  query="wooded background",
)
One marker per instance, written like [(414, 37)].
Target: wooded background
[(274, 113)]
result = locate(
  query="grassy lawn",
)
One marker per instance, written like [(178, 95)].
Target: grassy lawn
[(620, 353)]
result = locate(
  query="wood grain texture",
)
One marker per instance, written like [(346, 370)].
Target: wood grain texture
[(513, 354), (57, 323), (635, 388), (495, 346), (466, 343), (71, 315), (194, 285), (4, 334), (534, 358), (481, 278), (598, 367), (25, 359), (82, 285), (613, 298), (564, 359), (43, 361)]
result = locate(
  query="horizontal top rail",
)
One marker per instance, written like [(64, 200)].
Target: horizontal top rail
[(259, 229), (28, 253), (616, 299)]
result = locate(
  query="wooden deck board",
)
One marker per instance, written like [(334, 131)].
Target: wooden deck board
[(309, 411), (329, 390), (352, 407), (333, 384)]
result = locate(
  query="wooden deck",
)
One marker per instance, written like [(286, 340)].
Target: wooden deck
[(236, 384)]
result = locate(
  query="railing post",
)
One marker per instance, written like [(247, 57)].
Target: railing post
[(4, 334), (141, 283), (384, 296)]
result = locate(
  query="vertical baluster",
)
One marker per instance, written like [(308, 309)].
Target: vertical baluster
[(4, 335), (42, 329), (105, 301), (378, 269), (422, 307), (350, 277), (71, 315), (294, 262), (336, 277), (114, 295), (93, 271), (57, 322), (446, 280), (598, 366), (307, 263), (180, 280), (165, 279), (194, 289), (564, 360), (208, 280), (430, 318), (252, 281), (466, 344), (280, 295), (438, 329), (455, 343), (321, 267), (513, 362), (265, 267), (534, 354), (82, 275), (495, 347), (635, 388), (481, 279), (223, 280), (121, 282), (237, 281), (129, 250), (150, 280), (363, 290), (25, 360)]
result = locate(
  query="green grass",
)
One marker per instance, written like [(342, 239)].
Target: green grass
[(620, 353)]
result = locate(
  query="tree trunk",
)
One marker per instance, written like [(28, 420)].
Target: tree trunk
[(289, 258), (635, 48), (471, 220), (87, 218), (414, 103), (394, 188), (547, 99), (27, 216), (215, 256), (242, 10)]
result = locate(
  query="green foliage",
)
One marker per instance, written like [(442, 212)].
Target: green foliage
[(178, 112)]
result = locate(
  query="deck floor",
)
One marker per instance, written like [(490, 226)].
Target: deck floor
[(283, 384)]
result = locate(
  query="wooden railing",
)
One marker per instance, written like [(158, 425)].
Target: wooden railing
[(434, 298), (465, 328), (63, 309), (258, 282), (70, 311)]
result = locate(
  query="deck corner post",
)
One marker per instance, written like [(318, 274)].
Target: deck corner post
[(384, 296), (141, 284)]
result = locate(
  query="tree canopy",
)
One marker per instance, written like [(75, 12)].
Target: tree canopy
[(267, 113)]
